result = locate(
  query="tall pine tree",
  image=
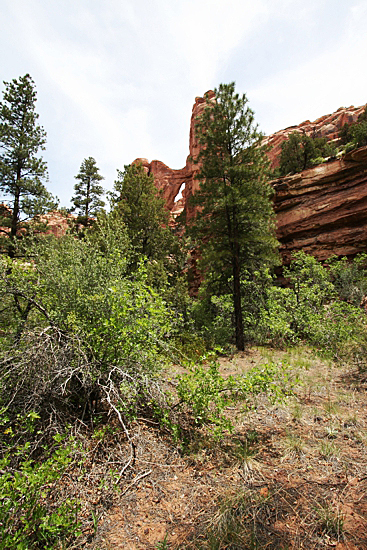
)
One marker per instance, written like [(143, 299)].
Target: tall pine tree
[(22, 171), (87, 199), (234, 225)]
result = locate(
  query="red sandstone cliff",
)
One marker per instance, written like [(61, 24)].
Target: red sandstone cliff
[(323, 210)]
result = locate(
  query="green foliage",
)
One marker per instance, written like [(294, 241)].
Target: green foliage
[(27, 517), (349, 278), (137, 204), (300, 151), (321, 306), (213, 318), (234, 230), (207, 394), (22, 172), (355, 135), (141, 208), (87, 293), (276, 321), (204, 394), (88, 191)]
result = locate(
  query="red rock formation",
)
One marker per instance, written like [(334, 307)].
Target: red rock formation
[(323, 210), (58, 223), (171, 181), (326, 126)]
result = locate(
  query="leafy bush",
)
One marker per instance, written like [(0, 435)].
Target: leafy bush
[(321, 306), (202, 395), (31, 514)]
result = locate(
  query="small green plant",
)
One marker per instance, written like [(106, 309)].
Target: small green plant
[(204, 394), (331, 432), (95, 519), (330, 408), (163, 545), (207, 394), (294, 446), (297, 412), (331, 521), (328, 450)]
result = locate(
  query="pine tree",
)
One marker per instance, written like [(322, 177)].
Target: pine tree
[(142, 210), (22, 172), (234, 226), (301, 151), (88, 191), (137, 203)]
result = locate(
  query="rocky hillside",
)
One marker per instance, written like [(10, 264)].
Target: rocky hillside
[(322, 210)]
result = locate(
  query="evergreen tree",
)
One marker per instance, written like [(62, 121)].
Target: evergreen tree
[(142, 209), (22, 172), (137, 203), (301, 151), (234, 227), (88, 191), (297, 153), (355, 135)]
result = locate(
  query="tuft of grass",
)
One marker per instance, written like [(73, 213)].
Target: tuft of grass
[(163, 545), (331, 409), (294, 446), (297, 412), (328, 450), (331, 521)]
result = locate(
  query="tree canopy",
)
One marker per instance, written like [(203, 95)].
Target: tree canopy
[(234, 227), (141, 207), (22, 170), (301, 151)]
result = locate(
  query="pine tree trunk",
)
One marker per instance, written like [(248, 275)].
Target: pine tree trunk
[(14, 223), (240, 340)]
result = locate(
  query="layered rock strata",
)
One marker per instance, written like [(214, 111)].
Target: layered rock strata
[(323, 210)]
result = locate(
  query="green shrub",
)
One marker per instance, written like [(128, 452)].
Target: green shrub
[(203, 395), (32, 514)]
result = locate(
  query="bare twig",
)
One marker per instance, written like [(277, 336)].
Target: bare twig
[(138, 478)]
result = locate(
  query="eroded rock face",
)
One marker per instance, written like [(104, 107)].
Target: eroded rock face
[(322, 210), (58, 223)]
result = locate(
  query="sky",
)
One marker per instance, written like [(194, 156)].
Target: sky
[(116, 79)]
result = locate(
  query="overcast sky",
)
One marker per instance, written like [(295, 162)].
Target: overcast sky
[(116, 79)]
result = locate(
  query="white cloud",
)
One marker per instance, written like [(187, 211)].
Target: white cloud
[(329, 80), (207, 31)]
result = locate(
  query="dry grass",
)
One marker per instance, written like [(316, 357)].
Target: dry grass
[(290, 477)]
